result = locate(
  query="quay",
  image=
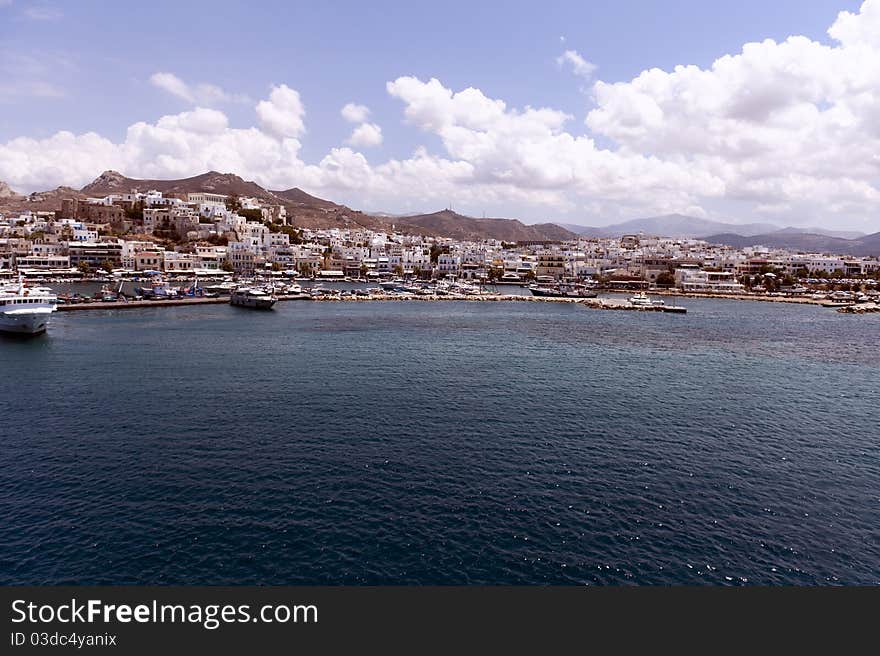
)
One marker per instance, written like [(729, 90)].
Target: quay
[(172, 302), (595, 303)]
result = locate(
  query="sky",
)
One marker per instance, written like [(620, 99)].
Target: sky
[(576, 112)]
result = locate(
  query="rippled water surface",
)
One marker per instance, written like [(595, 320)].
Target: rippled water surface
[(442, 443)]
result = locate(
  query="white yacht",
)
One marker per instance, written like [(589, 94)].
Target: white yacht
[(640, 299), (26, 310), (252, 297)]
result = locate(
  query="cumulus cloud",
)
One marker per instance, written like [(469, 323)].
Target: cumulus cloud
[(579, 66), (202, 93), (788, 124), (366, 135), (788, 129), (282, 114), (354, 113)]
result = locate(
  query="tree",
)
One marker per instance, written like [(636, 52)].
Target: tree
[(436, 251), (252, 215), (84, 268), (135, 212), (398, 270), (665, 279), (495, 273), (107, 265), (363, 270), (233, 203)]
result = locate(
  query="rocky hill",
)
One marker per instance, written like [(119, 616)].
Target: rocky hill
[(447, 223)]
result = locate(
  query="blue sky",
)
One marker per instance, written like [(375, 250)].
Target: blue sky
[(86, 67)]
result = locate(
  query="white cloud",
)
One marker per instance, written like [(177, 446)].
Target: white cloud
[(282, 115), (42, 13), (366, 135), (354, 113), (792, 124), (29, 89), (202, 93), (579, 66)]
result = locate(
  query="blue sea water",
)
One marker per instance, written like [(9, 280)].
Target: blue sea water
[(442, 443)]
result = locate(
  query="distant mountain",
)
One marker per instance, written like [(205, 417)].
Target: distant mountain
[(868, 245), (673, 225), (842, 234), (447, 223)]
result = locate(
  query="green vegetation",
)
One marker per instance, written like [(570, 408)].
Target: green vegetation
[(665, 279), (436, 251), (135, 212), (252, 215), (294, 234), (233, 203)]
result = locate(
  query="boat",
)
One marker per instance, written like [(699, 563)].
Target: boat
[(26, 310), (157, 290), (252, 297), (391, 285), (226, 287), (640, 299), (563, 290)]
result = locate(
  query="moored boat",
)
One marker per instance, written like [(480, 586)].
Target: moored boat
[(563, 290), (252, 297), (26, 310)]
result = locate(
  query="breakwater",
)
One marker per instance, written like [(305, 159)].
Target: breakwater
[(595, 303)]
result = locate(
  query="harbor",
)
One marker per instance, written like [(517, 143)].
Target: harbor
[(593, 303), (315, 424)]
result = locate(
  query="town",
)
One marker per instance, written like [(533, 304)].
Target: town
[(215, 235)]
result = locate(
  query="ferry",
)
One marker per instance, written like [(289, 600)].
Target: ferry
[(251, 297), (26, 310)]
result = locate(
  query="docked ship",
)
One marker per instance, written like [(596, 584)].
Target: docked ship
[(251, 297), (563, 290), (26, 310)]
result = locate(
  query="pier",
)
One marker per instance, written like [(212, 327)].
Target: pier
[(594, 303)]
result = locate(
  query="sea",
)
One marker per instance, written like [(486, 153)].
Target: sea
[(423, 443)]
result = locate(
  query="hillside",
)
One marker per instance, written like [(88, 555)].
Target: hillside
[(228, 184), (306, 211), (869, 245), (7, 192), (40, 201), (447, 223)]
